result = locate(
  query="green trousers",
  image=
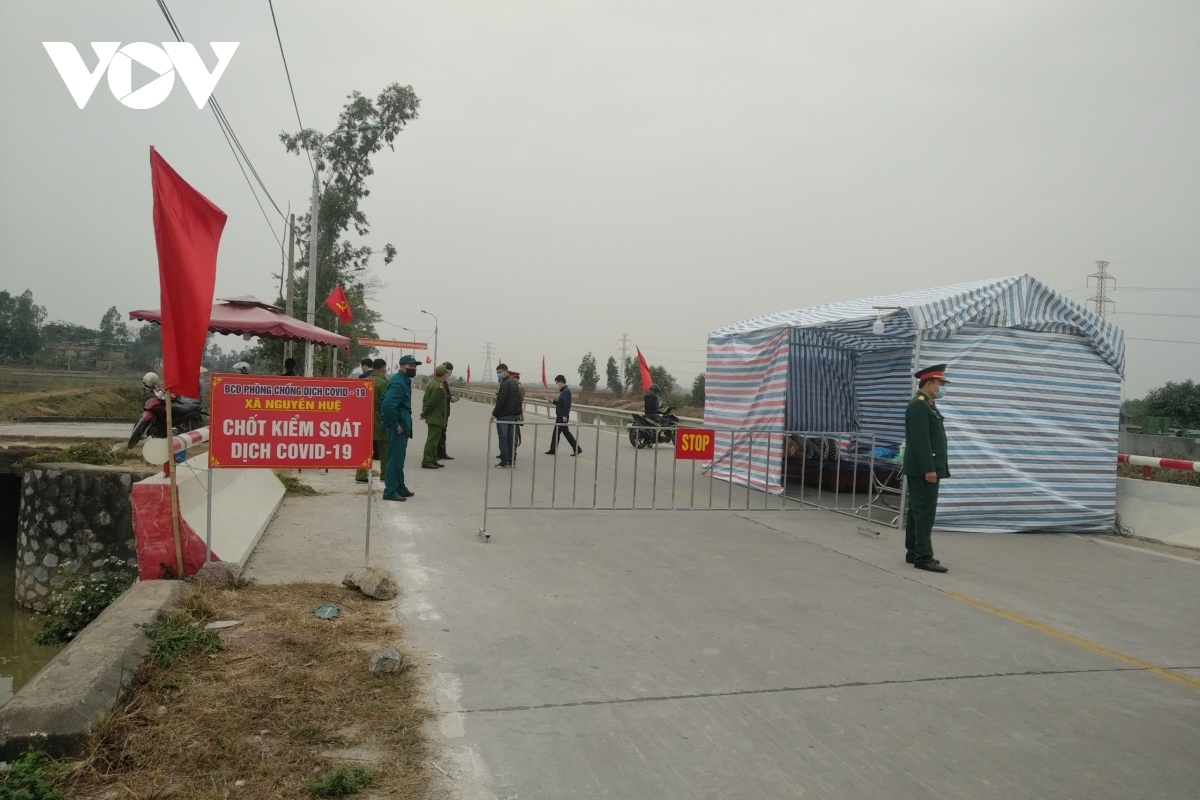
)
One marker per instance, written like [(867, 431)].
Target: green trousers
[(918, 524), (436, 436), (381, 450), (393, 471)]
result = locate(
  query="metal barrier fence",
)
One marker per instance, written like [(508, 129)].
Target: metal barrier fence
[(621, 468)]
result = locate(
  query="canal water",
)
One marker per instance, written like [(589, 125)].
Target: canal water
[(20, 658)]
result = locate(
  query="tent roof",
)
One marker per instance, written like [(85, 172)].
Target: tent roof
[(249, 315), (1018, 301)]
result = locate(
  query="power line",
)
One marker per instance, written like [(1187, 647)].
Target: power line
[(1172, 341), (1156, 314), (1156, 289), (288, 73), (1100, 299), (227, 129)]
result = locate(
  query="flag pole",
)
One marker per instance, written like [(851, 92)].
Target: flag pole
[(174, 492), (333, 349)]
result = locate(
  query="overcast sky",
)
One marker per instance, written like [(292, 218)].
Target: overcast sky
[(582, 170)]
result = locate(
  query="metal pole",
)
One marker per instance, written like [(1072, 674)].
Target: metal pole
[(636, 452), (787, 439), (333, 353), (654, 478), (208, 523), (596, 474), (616, 463), (575, 468), (290, 306), (916, 364), (749, 468), (313, 239), (370, 491), (435, 336), (487, 479)]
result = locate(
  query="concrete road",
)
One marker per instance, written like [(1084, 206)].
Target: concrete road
[(65, 431), (733, 654)]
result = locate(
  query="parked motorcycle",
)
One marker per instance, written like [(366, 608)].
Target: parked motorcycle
[(646, 432), (186, 413)]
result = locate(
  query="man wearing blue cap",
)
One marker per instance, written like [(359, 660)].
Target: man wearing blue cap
[(925, 464), (396, 410)]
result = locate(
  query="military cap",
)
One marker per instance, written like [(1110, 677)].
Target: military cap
[(936, 371), (408, 360)]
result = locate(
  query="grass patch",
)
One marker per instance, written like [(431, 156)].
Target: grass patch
[(83, 600), (341, 781), (1161, 475), (284, 688), (82, 453), (170, 636), (33, 776), (121, 401), (294, 485)]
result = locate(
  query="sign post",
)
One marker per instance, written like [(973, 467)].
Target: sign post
[(266, 422)]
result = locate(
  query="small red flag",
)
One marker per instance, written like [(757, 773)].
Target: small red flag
[(339, 305), (187, 232), (468, 373), (645, 369), (428, 360), (544, 384)]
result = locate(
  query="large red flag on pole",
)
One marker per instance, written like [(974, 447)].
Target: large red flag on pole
[(544, 384), (187, 230), (339, 305), (468, 373), (645, 368)]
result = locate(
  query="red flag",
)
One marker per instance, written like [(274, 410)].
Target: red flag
[(468, 373), (428, 360), (187, 231), (544, 384), (339, 305), (645, 369)]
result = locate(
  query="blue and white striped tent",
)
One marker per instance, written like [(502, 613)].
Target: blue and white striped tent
[(1031, 414)]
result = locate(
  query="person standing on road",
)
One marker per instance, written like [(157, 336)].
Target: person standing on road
[(289, 368), (396, 411), (925, 465), (516, 376), (505, 413), (379, 377), (442, 455), (434, 409), (562, 418)]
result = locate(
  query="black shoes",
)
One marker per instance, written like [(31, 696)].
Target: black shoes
[(505, 465), (430, 466), (407, 493), (549, 452), (578, 450), (930, 566), (908, 560), (395, 497), (445, 457)]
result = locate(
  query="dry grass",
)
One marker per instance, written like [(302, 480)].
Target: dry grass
[(1161, 475), (113, 402), (285, 688)]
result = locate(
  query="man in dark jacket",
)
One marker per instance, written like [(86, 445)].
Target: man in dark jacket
[(925, 464), (653, 402), (442, 455), (508, 407), (562, 416)]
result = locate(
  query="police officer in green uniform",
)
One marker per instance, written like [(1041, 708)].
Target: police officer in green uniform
[(925, 464)]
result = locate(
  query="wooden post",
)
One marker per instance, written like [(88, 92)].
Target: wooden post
[(291, 275), (174, 494)]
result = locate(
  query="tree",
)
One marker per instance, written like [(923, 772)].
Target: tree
[(698, 391), (20, 326), (589, 376), (614, 376), (112, 329), (1180, 402), (633, 376), (665, 380), (146, 349), (346, 162)]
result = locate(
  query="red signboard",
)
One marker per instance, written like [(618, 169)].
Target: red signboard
[(695, 444), (397, 343), (299, 423)]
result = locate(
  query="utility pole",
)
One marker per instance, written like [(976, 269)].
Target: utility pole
[(1100, 299), (624, 350), (291, 278), (488, 352)]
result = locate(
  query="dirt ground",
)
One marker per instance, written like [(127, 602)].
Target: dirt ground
[(287, 698)]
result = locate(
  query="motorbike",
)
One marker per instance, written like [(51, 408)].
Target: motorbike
[(646, 432), (186, 414)]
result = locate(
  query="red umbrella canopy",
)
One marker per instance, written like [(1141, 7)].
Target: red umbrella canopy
[(249, 315)]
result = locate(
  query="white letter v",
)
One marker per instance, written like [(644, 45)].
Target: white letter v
[(74, 72), (199, 82)]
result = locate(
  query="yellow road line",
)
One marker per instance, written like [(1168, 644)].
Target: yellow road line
[(1086, 644)]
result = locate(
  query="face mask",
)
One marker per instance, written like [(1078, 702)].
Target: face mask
[(941, 392), (411, 371), (499, 377)]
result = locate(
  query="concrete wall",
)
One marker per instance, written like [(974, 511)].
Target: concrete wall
[(244, 501), (1168, 512), (1140, 444), (73, 517)]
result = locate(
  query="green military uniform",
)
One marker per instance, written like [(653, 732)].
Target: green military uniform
[(396, 411), (924, 452), (435, 412), (378, 430)]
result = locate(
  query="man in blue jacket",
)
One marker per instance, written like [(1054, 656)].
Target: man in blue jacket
[(562, 416), (396, 410)]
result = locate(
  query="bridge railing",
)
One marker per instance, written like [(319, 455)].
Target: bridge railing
[(541, 407)]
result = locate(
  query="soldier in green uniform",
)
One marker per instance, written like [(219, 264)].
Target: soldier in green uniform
[(396, 410), (925, 464), (379, 376), (435, 411)]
